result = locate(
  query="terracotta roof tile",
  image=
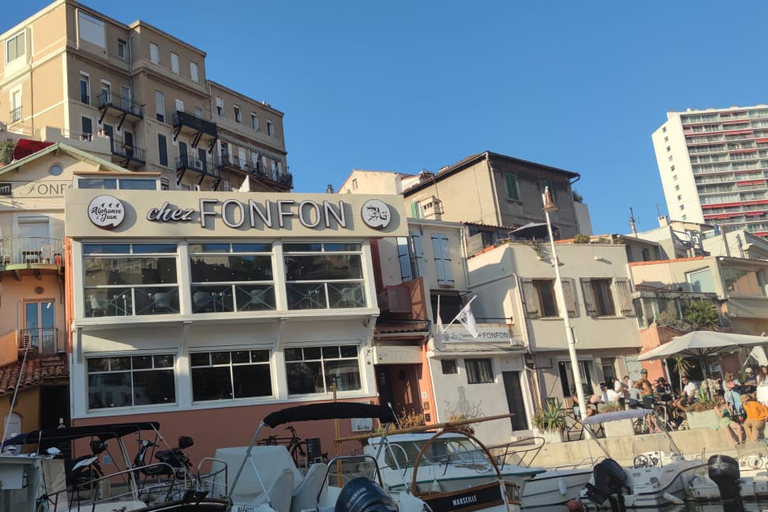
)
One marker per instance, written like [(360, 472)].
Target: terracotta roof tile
[(36, 369)]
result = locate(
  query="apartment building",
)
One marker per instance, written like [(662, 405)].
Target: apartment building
[(75, 69), (713, 165)]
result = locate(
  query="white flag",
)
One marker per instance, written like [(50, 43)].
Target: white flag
[(467, 319)]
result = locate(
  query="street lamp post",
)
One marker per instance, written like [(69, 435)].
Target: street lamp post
[(550, 206)]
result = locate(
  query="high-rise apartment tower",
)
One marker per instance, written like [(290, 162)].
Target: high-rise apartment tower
[(714, 166)]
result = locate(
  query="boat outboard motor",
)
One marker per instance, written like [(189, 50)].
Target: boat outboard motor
[(363, 495), (609, 478), (724, 471)]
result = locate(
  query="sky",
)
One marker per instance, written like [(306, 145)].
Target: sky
[(408, 85)]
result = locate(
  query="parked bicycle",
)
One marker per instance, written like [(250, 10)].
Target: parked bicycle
[(297, 447)]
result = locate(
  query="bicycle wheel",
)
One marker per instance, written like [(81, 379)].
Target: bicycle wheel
[(299, 454)]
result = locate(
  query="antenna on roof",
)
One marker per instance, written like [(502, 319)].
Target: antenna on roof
[(632, 221)]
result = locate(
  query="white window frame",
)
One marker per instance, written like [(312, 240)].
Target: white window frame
[(238, 114), (122, 49), (270, 129), (85, 77), (255, 121), (15, 38), (160, 106), (154, 53), (194, 71), (175, 62), (220, 107)]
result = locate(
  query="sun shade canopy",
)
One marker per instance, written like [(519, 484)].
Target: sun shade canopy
[(329, 411)]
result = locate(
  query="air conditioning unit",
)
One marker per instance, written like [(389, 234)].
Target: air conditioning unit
[(26, 342)]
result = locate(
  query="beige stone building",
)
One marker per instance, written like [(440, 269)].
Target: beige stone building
[(147, 92)]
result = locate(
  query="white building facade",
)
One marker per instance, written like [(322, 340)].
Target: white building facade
[(713, 166)]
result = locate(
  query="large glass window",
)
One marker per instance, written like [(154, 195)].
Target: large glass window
[(227, 375), (14, 47), (231, 277), (130, 279), (739, 281), (128, 381), (324, 275), (115, 183), (313, 369)]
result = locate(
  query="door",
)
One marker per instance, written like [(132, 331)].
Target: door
[(33, 239), (39, 326), (109, 132), (125, 99), (203, 159), (183, 155), (515, 401)]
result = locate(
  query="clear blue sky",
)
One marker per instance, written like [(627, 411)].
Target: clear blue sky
[(411, 85)]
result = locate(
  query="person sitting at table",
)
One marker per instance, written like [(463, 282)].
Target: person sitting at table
[(757, 413), (591, 410), (732, 389), (749, 387), (607, 393), (733, 430), (663, 390)]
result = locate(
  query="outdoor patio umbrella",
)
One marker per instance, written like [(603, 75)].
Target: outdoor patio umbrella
[(701, 344)]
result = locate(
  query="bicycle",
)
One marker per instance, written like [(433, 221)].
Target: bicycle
[(296, 446)]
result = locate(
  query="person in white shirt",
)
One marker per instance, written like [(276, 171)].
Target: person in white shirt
[(607, 394)]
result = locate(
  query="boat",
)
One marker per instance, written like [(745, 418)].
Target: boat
[(657, 478), (744, 477), (267, 477), (453, 459), (50, 481)]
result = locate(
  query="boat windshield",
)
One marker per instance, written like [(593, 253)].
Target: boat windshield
[(440, 451)]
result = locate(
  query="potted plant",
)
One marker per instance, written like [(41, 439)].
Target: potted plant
[(550, 422), (701, 413)]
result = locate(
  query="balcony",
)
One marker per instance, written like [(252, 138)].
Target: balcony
[(130, 155), (120, 107), (279, 181), (31, 255), (231, 163), (205, 168), (16, 115), (195, 127), (43, 340)]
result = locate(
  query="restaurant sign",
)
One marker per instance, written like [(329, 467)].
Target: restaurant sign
[(485, 333)]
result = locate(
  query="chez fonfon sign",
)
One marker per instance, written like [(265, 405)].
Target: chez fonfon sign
[(108, 212)]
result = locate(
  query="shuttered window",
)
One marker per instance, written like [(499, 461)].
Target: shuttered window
[(442, 260), (530, 299), (512, 192), (418, 252), (570, 298), (598, 297), (404, 256), (623, 293)]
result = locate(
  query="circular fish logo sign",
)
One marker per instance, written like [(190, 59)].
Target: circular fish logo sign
[(376, 214), (106, 212)]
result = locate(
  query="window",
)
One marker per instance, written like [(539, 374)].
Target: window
[(154, 53), (670, 158), (512, 191), (198, 112), (324, 275), (254, 121), (117, 183), (566, 377), (679, 197), (672, 168), (544, 185), (442, 255), (682, 207), (701, 281), (165, 184), (160, 106), (677, 187), (14, 47), (174, 62), (479, 371), (179, 105), (313, 369), (91, 30), (669, 149), (238, 115), (231, 277), (162, 148), (449, 366), (739, 281), (598, 297), (405, 258), (416, 209), (121, 49), (666, 139), (219, 107), (130, 381), (130, 279), (664, 129), (16, 108), (85, 89), (193, 72), (87, 124), (270, 129), (540, 299), (230, 375)]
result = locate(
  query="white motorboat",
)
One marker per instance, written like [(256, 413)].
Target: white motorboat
[(744, 477), (454, 460), (267, 479), (656, 479)]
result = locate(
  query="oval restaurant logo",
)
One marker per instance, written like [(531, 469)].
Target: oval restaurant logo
[(106, 212), (376, 214)]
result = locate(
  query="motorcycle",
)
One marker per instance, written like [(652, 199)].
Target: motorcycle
[(83, 471), (174, 462)]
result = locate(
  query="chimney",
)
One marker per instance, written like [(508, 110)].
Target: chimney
[(663, 221)]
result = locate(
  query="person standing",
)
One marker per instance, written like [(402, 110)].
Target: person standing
[(762, 386), (646, 390), (757, 413)]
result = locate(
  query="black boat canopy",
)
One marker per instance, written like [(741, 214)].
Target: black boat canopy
[(103, 432), (329, 411)]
